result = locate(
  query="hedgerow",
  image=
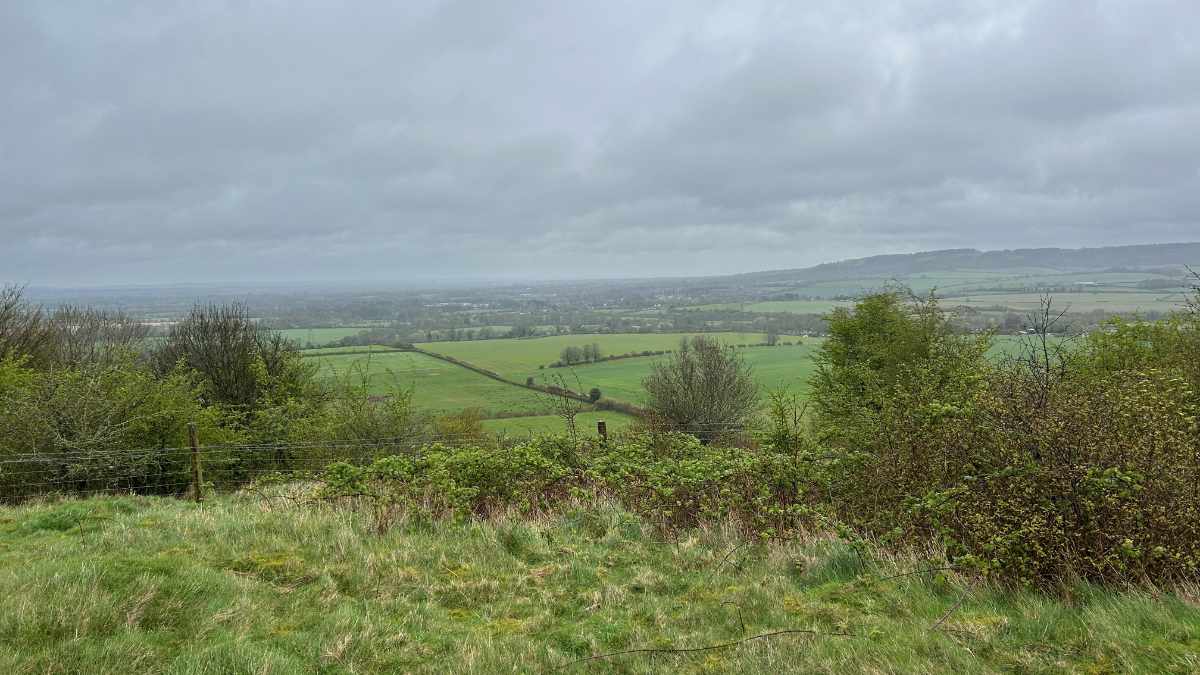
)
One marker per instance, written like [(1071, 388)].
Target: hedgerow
[(673, 479), (1069, 462)]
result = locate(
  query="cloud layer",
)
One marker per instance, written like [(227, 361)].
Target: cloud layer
[(149, 141)]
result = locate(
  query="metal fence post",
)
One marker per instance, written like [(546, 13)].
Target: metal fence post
[(197, 472)]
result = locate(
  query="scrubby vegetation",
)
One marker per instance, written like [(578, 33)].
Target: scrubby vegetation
[(704, 388), (1069, 461)]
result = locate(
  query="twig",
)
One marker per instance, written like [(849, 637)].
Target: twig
[(739, 610), (723, 645), (937, 624), (730, 553)]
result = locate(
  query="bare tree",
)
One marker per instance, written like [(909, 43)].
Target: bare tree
[(89, 335), (24, 328), (565, 403), (237, 360), (705, 388), (1046, 356)]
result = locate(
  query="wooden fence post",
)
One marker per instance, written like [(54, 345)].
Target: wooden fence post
[(602, 429), (197, 473)]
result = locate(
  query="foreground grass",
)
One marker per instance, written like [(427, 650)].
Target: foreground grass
[(159, 585)]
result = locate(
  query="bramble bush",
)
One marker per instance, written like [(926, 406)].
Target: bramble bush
[(672, 478), (1098, 482), (1067, 463)]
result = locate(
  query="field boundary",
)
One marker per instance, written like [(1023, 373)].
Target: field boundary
[(348, 351), (612, 404)]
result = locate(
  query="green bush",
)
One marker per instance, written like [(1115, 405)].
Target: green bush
[(457, 481), (1098, 482), (97, 427), (1034, 470), (672, 478), (677, 480)]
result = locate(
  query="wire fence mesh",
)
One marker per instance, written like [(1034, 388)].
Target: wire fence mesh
[(173, 470), (84, 471)]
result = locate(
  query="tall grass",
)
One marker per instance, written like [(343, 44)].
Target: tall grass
[(160, 585)]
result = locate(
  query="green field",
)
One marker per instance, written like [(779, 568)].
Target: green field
[(779, 306), (773, 368), (311, 337), (437, 385), (553, 424), (515, 358), (1109, 301), (1106, 296), (239, 585), (357, 349), (622, 378), (796, 306), (919, 283)]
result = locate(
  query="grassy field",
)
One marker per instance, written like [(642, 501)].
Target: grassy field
[(443, 386), (920, 283), (1106, 296), (516, 357), (357, 349), (123, 585), (621, 378), (311, 337), (436, 384), (792, 367), (773, 368), (779, 306), (1110, 301), (553, 424)]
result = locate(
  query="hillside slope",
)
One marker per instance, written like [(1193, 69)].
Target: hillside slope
[(121, 585), (1061, 259)]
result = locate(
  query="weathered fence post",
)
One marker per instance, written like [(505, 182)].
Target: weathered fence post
[(602, 429), (197, 473)]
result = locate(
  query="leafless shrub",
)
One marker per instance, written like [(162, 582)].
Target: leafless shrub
[(1046, 356), (24, 328), (704, 389), (88, 335), (566, 407), (238, 361)]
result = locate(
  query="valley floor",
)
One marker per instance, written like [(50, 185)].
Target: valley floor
[(160, 585)]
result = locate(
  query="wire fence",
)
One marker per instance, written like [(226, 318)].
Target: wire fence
[(179, 470), (187, 471)]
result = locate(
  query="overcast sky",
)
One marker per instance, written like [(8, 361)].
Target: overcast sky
[(156, 141)]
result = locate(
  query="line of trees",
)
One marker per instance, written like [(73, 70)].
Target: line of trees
[(573, 355)]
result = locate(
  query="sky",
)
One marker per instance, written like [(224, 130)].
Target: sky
[(155, 141)]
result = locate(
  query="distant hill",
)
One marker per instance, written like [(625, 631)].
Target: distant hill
[(1107, 258)]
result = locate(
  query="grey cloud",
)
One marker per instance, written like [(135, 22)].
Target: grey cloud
[(165, 141)]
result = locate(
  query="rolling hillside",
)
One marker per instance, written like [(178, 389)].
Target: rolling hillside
[(1141, 257)]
